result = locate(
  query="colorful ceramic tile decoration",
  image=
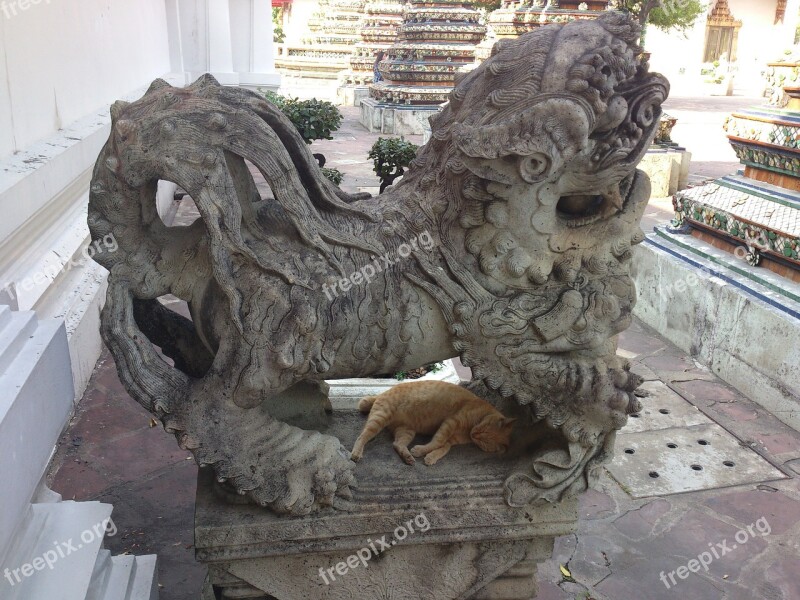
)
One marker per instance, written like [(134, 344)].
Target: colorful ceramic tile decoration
[(759, 208), (436, 40), (378, 29), (514, 18), (325, 51)]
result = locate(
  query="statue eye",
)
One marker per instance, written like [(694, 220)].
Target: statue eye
[(534, 167)]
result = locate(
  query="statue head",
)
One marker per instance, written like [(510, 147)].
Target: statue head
[(548, 132)]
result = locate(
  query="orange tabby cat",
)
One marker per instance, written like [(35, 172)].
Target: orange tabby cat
[(452, 414)]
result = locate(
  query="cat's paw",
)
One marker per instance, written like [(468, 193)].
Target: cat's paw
[(419, 451), (408, 459), (431, 459), (356, 456)]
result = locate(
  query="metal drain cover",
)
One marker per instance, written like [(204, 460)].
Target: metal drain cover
[(685, 459)]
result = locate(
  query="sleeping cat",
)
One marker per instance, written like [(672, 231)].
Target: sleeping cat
[(452, 414)]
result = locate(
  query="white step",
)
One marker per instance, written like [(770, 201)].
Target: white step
[(36, 400), (68, 537), (100, 576), (144, 583), (122, 571), (16, 332), (5, 315)]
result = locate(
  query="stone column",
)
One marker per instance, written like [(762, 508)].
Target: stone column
[(219, 50), (253, 49)]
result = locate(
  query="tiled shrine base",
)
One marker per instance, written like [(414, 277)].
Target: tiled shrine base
[(447, 533), (741, 321), (395, 119), (748, 213), (710, 237)]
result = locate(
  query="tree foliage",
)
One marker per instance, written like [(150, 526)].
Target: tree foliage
[(314, 119), (390, 157), (667, 15)]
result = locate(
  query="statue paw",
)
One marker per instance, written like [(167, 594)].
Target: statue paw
[(281, 467), (306, 476)]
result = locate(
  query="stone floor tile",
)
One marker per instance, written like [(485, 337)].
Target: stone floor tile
[(143, 452), (662, 363), (640, 342), (550, 591), (640, 523), (707, 392), (781, 512), (695, 533), (779, 443), (595, 503), (77, 480)]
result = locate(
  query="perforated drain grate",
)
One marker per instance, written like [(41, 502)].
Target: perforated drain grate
[(672, 447), (663, 408)]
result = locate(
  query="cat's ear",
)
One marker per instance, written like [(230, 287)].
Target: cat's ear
[(505, 421)]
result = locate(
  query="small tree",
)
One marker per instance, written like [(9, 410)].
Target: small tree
[(667, 15), (390, 157), (278, 36)]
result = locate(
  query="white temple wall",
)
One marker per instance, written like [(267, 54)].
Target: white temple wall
[(61, 59), (296, 27), (760, 41), (62, 63)]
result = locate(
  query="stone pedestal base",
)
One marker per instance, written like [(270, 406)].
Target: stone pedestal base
[(428, 533), (668, 168), (352, 95), (395, 119)]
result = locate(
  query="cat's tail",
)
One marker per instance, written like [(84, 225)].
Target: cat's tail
[(365, 405)]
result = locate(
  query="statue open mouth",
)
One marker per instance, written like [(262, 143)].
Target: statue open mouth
[(579, 210)]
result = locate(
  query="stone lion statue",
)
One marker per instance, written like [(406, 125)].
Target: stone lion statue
[(528, 194)]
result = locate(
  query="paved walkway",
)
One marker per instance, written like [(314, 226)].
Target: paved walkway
[(114, 452)]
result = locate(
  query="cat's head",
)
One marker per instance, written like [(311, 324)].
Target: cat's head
[(493, 433)]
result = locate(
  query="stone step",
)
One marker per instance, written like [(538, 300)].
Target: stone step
[(61, 561), (124, 577), (36, 399), (14, 335), (69, 536), (100, 576), (5, 315), (144, 582), (120, 573)]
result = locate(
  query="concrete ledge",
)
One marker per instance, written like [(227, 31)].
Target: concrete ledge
[(352, 95), (742, 322)]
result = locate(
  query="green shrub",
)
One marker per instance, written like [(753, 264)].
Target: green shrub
[(390, 157), (333, 175), (314, 119)]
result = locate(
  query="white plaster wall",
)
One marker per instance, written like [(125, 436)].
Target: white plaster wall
[(760, 42), (251, 53), (297, 24), (62, 59)]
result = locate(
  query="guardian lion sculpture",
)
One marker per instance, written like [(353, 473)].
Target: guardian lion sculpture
[(529, 192)]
